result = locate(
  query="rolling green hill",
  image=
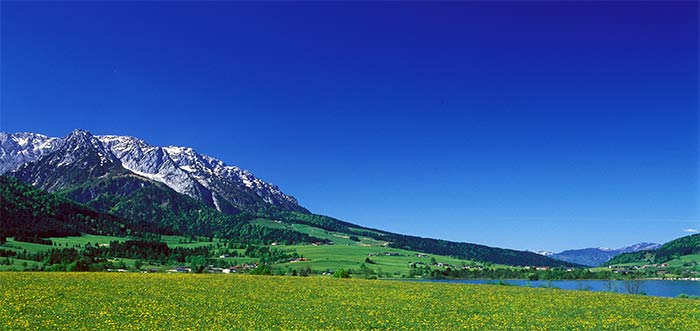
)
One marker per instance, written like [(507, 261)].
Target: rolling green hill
[(427, 245), (145, 206)]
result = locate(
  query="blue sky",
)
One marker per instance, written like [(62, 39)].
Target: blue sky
[(522, 125)]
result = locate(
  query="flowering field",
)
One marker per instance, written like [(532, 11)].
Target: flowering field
[(106, 301)]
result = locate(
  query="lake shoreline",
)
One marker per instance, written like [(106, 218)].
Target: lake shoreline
[(651, 287), (544, 280)]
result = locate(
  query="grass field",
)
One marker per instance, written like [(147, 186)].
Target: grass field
[(64, 242), (350, 254), (337, 237), (18, 265), (334, 257), (110, 301), (345, 253), (692, 258), (679, 267)]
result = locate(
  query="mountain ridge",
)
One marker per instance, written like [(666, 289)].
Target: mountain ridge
[(131, 179), (229, 189), (23, 147), (675, 248), (596, 256)]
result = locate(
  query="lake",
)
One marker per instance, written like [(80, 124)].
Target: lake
[(659, 288)]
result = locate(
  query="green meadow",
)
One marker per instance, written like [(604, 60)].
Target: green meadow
[(133, 301)]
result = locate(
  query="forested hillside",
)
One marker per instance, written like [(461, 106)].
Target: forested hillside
[(28, 214), (673, 249), (428, 245)]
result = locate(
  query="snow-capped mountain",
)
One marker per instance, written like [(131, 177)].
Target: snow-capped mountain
[(58, 163), (75, 159), (154, 163), (197, 175), (19, 148), (597, 256)]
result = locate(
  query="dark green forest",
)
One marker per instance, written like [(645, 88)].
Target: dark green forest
[(29, 214)]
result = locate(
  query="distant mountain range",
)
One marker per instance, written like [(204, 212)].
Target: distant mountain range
[(597, 256), (132, 187), (674, 249)]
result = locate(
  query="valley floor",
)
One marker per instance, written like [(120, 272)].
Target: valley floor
[(132, 301)]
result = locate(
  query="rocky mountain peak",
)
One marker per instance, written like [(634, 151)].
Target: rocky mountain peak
[(19, 148), (60, 162)]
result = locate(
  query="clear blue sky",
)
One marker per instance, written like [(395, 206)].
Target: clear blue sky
[(523, 125)]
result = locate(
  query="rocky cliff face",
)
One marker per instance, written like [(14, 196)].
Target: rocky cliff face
[(76, 159), (23, 147), (59, 163)]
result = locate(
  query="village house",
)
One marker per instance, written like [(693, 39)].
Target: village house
[(299, 259), (180, 269)]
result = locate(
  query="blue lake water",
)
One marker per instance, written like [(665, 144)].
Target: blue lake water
[(659, 288)]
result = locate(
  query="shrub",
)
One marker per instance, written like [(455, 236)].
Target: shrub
[(342, 273)]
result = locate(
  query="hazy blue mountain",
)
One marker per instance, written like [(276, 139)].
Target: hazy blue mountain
[(673, 249), (596, 256)]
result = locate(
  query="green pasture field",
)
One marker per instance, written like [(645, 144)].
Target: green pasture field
[(19, 265), (337, 237), (68, 242), (86, 238), (179, 241), (344, 253), (133, 301), (692, 258), (677, 262), (65, 242), (351, 256)]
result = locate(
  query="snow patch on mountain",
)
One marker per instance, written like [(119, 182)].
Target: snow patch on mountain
[(23, 147), (216, 202), (151, 162)]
